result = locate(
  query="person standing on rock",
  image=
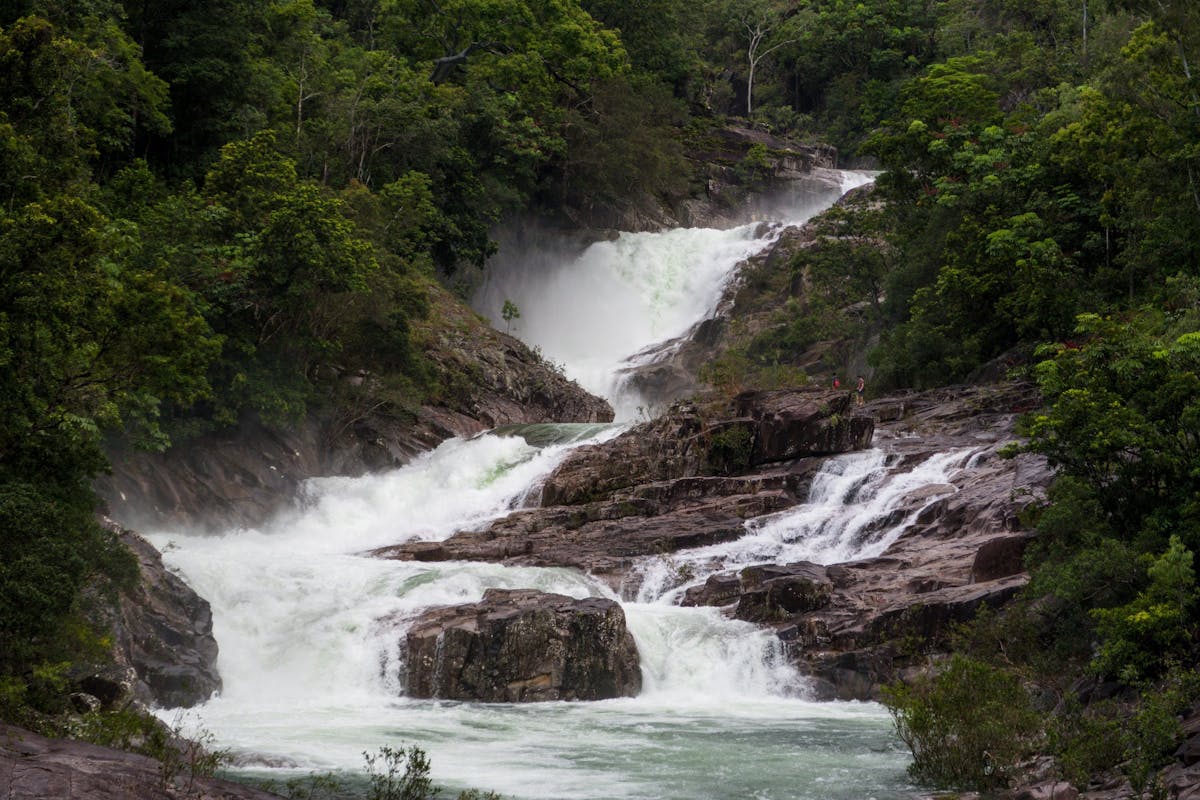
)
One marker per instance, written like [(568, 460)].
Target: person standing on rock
[(859, 388)]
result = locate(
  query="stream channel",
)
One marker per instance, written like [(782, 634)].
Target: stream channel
[(311, 673)]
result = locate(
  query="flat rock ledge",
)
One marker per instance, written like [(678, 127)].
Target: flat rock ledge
[(522, 646), (766, 593), (33, 767)]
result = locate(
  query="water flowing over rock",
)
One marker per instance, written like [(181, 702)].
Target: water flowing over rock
[(672, 369), (962, 551), (522, 646), (684, 481), (687, 479), (242, 475)]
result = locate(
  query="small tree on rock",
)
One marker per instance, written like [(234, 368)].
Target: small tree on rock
[(509, 313)]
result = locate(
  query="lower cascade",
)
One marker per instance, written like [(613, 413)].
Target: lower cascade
[(313, 672), (317, 639)]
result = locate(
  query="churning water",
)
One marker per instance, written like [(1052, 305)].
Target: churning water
[(309, 627)]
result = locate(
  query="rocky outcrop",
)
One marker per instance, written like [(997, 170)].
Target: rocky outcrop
[(33, 767), (241, 475), (753, 430), (963, 550), (766, 593), (1182, 779), (522, 646), (754, 298), (164, 652), (687, 479)]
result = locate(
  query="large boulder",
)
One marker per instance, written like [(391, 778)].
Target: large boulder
[(522, 645), (164, 652)]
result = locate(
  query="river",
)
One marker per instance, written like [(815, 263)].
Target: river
[(309, 628)]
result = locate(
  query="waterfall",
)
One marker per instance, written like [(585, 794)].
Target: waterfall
[(857, 505), (592, 312), (309, 626), (309, 629)]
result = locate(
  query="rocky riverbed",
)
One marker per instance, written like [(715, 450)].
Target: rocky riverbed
[(694, 477)]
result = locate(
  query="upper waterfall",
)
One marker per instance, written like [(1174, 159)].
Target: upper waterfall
[(591, 311)]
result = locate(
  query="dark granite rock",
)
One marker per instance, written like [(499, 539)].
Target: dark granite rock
[(164, 652), (718, 590), (519, 646), (1000, 557), (771, 593), (766, 593)]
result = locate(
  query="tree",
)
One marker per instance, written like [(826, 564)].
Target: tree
[(86, 341), (1123, 417), (509, 313), (767, 27), (1140, 638), (659, 35), (74, 99), (205, 52), (968, 726)]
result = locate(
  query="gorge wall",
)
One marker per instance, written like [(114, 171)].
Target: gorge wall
[(242, 475)]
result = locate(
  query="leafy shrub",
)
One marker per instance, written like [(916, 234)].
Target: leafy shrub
[(51, 547), (1138, 638), (968, 726), (1137, 739), (1152, 733), (728, 373), (397, 774), (729, 449)]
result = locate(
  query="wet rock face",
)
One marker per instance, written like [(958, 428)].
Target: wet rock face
[(767, 593), (522, 645), (755, 429), (164, 650), (963, 551)]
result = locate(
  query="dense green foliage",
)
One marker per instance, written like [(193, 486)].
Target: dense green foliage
[(968, 726), (221, 209)]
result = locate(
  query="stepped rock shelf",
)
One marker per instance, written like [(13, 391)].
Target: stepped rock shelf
[(693, 477), (688, 478)]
